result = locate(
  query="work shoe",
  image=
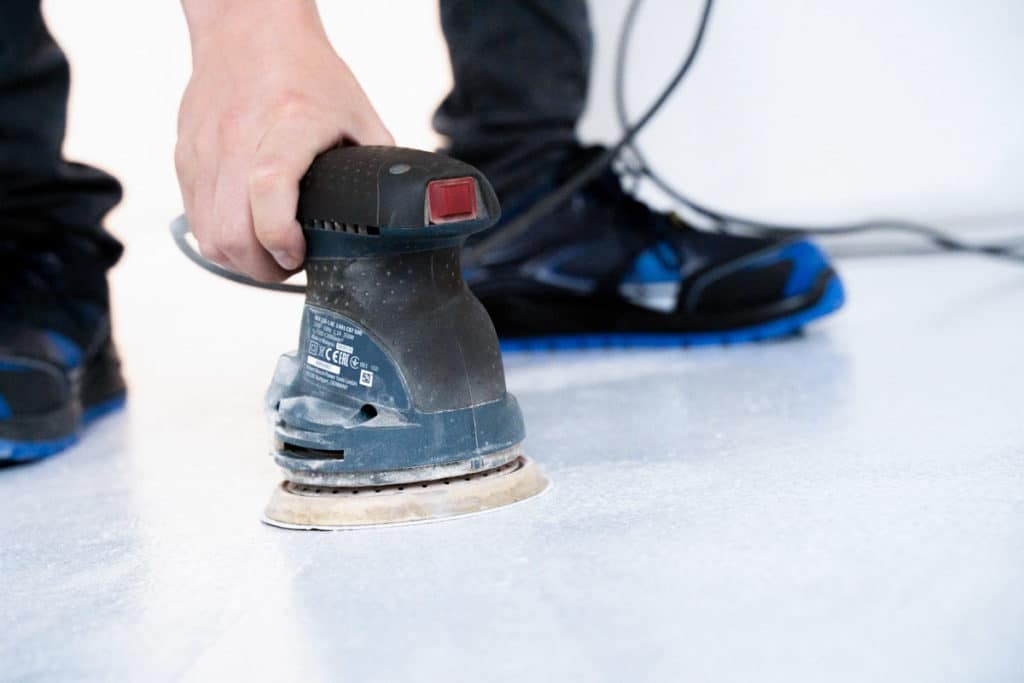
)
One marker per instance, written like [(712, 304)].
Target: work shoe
[(59, 370), (604, 269)]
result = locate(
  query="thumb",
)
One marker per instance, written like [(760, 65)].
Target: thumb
[(374, 133)]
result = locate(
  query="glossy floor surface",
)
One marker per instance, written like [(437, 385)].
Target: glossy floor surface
[(845, 506)]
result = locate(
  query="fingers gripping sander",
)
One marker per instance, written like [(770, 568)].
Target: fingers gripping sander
[(394, 408)]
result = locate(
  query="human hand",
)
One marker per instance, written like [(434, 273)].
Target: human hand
[(267, 94)]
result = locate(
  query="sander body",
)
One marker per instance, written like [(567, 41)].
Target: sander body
[(393, 409)]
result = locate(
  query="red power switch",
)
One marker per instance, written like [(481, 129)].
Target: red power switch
[(452, 199)]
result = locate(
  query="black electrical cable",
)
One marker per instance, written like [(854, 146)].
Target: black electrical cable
[(945, 241), (626, 142), (180, 231), (523, 221), (588, 172)]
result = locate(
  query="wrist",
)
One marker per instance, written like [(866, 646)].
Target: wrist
[(210, 21)]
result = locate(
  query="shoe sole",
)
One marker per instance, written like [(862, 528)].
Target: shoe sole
[(12, 451), (830, 300)]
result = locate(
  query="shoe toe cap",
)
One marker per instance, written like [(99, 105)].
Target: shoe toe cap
[(808, 262), (766, 277)]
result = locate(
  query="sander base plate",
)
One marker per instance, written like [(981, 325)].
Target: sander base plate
[(303, 506)]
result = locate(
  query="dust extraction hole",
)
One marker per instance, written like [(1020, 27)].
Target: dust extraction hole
[(368, 412), (319, 454)]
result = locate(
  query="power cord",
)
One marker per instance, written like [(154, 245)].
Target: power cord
[(727, 222), (721, 220), (180, 232), (560, 194)]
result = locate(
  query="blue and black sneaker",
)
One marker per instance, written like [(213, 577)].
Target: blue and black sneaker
[(59, 369), (607, 270)]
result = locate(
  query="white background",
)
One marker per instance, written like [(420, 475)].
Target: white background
[(795, 110), (828, 110)]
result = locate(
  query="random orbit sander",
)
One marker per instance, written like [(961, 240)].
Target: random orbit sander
[(394, 408)]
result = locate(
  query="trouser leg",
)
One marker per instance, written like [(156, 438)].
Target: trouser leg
[(521, 70), (42, 195)]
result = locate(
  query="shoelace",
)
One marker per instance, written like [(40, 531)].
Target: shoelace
[(658, 228)]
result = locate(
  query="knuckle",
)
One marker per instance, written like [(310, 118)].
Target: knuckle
[(266, 176), (231, 127), (292, 104)]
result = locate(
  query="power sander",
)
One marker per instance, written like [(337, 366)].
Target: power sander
[(394, 407)]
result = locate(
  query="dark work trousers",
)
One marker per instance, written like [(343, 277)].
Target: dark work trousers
[(520, 67), (521, 70), (44, 199)]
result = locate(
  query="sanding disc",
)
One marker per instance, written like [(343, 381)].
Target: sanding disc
[(303, 506)]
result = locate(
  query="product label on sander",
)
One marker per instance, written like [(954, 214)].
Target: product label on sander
[(341, 358)]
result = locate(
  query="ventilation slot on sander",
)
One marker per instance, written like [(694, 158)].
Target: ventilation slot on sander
[(335, 226), (304, 452)]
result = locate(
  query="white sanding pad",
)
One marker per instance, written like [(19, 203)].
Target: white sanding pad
[(302, 506)]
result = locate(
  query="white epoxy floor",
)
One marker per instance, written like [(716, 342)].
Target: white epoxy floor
[(846, 506)]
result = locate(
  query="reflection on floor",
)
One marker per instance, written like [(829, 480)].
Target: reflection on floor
[(848, 505)]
